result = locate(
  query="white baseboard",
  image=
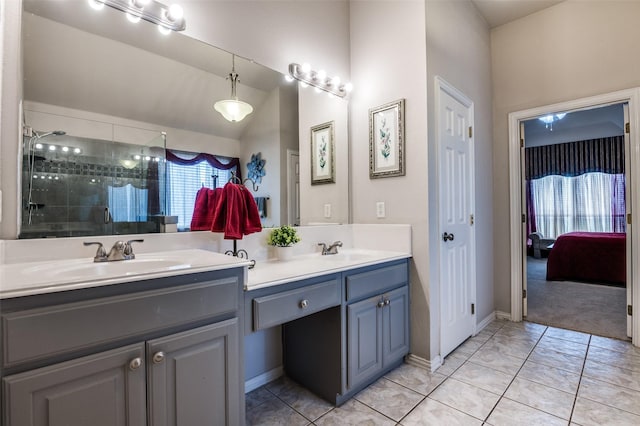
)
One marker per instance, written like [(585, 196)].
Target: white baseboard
[(503, 315), (262, 379), (486, 321), (431, 365)]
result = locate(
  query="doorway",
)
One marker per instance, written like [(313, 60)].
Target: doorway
[(517, 205), (574, 178)]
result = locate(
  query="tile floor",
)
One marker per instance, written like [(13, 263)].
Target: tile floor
[(508, 374)]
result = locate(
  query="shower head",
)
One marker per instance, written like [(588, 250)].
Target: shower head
[(55, 133)]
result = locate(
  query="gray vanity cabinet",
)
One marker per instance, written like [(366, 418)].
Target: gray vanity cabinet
[(105, 389), (189, 377), (378, 335), (161, 352)]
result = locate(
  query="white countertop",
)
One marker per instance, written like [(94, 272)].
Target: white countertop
[(31, 278), (275, 272)]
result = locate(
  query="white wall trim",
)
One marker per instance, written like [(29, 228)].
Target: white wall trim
[(503, 316), (632, 96), (416, 361), (485, 321), (262, 379)]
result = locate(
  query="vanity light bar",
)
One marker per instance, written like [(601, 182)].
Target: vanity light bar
[(168, 17), (319, 80)]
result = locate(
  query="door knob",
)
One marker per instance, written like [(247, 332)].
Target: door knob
[(447, 237), (135, 364), (158, 357)]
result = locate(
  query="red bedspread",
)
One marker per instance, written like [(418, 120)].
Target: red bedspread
[(588, 256)]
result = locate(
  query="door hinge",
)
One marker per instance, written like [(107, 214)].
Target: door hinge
[(524, 293), (470, 131), (628, 218), (627, 128), (473, 308), (471, 220), (629, 310), (524, 218)]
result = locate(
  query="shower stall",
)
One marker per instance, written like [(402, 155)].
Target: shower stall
[(78, 186)]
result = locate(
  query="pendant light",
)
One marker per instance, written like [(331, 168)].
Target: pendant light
[(233, 109)]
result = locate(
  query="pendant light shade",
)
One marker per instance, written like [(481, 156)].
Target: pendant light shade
[(233, 109)]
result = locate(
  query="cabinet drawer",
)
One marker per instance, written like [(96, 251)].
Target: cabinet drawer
[(38, 333), (377, 281), (289, 305)]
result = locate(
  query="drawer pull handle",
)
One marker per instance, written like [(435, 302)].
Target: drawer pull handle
[(304, 303), (158, 357), (135, 364), (387, 302), (380, 304)]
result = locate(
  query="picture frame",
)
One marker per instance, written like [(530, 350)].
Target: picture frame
[(386, 140), (322, 154)]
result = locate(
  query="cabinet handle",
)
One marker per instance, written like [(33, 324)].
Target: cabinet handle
[(158, 357), (135, 364), (380, 304), (304, 303), (387, 302)]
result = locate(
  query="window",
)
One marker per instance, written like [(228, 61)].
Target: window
[(127, 203), (185, 180), (591, 202)]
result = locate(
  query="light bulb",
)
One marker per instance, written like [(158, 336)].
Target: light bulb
[(348, 87), (132, 18), (335, 80), (77, 150), (50, 177), (65, 149), (140, 3), (288, 78), (136, 157), (163, 30), (322, 74), (157, 159), (52, 147), (147, 158), (56, 178), (175, 12), (306, 68), (317, 89), (96, 4), (303, 84), (38, 146)]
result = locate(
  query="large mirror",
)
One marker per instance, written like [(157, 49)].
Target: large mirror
[(133, 91)]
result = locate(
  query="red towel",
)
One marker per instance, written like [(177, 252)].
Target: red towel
[(203, 210), (234, 215)]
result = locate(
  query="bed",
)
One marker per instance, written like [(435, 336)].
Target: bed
[(588, 256)]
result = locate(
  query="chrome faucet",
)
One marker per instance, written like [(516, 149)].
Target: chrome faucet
[(119, 251), (332, 249)]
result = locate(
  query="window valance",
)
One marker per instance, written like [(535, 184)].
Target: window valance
[(604, 155), (222, 163)]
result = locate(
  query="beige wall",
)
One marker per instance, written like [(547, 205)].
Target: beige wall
[(462, 58), (572, 50), (388, 62)]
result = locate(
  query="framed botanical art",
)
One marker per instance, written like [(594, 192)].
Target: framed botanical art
[(386, 140), (322, 154)]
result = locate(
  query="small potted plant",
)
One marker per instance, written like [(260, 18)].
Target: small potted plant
[(283, 238)]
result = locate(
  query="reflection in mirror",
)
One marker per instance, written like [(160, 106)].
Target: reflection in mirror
[(110, 84)]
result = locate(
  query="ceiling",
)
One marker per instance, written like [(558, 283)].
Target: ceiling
[(499, 12)]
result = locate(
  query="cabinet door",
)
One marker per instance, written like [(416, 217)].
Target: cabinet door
[(364, 340), (194, 377), (395, 329), (106, 389)]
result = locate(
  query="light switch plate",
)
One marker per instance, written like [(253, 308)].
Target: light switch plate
[(380, 210), (327, 211)]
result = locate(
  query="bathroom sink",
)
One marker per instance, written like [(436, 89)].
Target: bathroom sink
[(75, 269), (350, 256)]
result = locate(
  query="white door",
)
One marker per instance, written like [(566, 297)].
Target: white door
[(456, 236), (627, 197), (293, 187)]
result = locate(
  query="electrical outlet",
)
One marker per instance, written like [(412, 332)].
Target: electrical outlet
[(327, 211), (380, 210)]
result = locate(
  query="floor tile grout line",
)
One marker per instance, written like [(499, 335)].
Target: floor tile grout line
[(290, 406), (514, 378), (584, 362)]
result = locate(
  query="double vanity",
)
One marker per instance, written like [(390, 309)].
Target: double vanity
[(159, 340)]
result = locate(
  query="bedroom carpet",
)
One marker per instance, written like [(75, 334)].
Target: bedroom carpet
[(590, 308)]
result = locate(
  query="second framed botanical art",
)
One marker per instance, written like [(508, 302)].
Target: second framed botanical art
[(322, 154), (386, 140)]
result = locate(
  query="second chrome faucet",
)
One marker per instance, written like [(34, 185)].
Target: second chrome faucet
[(332, 249)]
